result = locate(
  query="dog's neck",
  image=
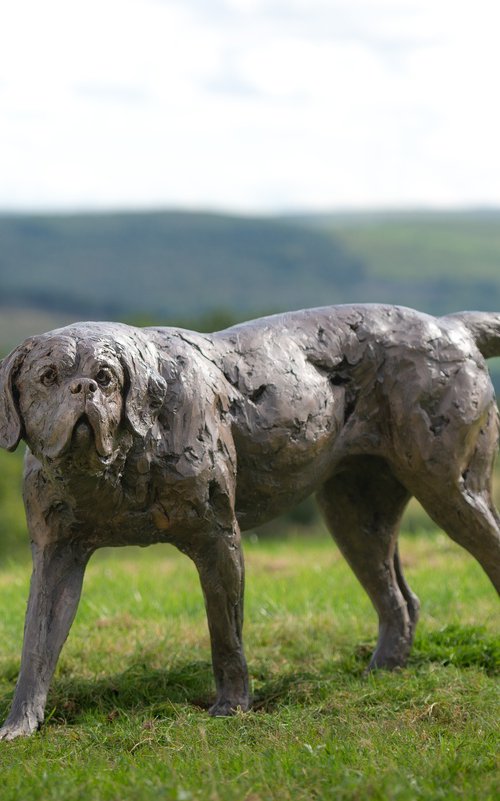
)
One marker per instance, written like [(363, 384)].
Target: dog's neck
[(84, 477)]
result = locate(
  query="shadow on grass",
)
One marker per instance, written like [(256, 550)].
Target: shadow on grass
[(142, 687), (157, 692), (139, 686)]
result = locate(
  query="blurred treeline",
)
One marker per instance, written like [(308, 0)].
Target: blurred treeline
[(180, 265), (207, 271)]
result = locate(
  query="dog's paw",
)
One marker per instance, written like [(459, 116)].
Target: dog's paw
[(224, 708), (20, 727)]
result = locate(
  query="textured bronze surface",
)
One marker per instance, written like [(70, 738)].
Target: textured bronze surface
[(138, 436)]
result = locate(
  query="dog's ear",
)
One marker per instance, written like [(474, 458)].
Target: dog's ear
[(145, 391), (11, 424)]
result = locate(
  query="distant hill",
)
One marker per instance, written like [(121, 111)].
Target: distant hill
[(208, 270), (436, 262), (179, 265), (166, 265)]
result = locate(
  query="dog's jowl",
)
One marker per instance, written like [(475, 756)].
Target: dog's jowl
[(138, 436)]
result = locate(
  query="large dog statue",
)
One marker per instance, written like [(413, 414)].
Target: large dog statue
[(138, 436)]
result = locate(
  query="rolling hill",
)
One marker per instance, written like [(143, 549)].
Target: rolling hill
[(169, 264), (212, 268)]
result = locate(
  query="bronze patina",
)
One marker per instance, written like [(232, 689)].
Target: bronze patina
[(139, 436)]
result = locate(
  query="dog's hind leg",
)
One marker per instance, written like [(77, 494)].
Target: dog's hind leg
[(220, 566), (56, 584), (464, 509), (456, 488), (363, 504), (472, 521), (411, 599)]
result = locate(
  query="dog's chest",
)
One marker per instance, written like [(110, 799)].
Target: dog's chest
[(142, 506)]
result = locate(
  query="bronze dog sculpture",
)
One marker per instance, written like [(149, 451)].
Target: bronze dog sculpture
[(138, 436)]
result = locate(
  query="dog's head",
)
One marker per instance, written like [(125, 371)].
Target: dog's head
[(78, 389)]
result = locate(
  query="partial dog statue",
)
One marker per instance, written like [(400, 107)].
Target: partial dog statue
[(137, 436)]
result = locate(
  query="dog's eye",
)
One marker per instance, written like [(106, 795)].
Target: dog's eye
[(104, 377), (49, 376)]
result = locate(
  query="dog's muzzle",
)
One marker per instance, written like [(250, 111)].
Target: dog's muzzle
[(91, 431), (83, 433), (82, 428)]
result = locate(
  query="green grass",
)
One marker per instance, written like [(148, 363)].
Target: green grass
[(127, 713), (13, 535)]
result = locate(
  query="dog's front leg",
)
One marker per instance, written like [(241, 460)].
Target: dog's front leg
[(56, 583), (221, 570)]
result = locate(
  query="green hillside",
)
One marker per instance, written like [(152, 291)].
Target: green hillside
[(436, 262), (184, 267), (169, 264), (180, 265)]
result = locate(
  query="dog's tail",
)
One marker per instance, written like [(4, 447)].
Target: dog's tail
[(484, 328)]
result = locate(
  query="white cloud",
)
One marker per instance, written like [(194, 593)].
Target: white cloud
[(248, 104)]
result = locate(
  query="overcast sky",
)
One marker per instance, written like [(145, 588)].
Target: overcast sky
[(249, 105)]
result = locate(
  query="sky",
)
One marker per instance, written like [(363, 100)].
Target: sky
[(250, 106)]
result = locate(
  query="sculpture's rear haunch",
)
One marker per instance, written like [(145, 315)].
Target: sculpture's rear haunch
[(164, 435)]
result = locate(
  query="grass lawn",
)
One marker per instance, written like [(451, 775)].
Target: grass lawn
[(127, 713)]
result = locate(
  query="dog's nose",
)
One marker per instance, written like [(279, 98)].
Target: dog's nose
[(84, 385)]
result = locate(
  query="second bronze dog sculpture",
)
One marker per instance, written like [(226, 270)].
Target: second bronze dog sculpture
[(150, 435)]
